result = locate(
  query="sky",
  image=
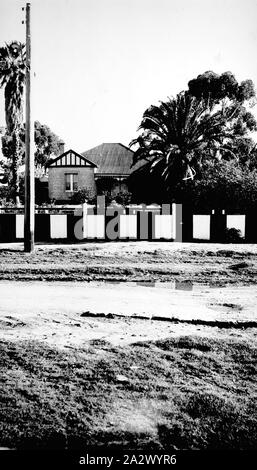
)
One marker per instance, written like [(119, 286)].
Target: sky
[(100, 63)]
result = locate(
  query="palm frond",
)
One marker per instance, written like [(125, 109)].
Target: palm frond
[(176, 134), (12, 78)]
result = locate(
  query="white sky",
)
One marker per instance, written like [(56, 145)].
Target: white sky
[(100, 63)]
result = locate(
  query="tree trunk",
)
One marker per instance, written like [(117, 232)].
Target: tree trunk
[(15, 166)]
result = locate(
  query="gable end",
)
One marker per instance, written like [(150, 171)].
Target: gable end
[(71, 159)]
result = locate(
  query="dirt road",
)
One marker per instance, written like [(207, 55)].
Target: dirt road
[(132, 261), (152, 362), (68, 314)]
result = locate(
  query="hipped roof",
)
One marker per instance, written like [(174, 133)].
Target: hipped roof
[(112, 159)]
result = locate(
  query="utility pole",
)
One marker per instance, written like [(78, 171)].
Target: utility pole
[(29, 206)]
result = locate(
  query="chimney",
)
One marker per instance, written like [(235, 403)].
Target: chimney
[(61, 147)]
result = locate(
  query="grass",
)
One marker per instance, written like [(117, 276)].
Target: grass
[(184, 393)]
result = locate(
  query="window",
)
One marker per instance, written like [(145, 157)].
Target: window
[(71, 181)]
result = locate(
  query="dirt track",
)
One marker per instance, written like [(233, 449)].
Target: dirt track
[(161, 284), (132, 261), (141, 364), (69, 315)]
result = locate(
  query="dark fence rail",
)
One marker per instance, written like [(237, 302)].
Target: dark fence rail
[(87, 222)]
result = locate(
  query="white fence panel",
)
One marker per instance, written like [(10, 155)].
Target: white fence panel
[(163, 227), (94, 226), (201, 227), (237, 222), (19, 226), (58, 226), (128, 226)]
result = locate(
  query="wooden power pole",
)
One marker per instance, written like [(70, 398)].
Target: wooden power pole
[(29, 219)]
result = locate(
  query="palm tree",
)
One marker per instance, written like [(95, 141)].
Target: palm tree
[(176, 135), (12, 78)]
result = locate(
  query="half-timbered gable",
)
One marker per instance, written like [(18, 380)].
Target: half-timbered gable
[(71, 159), (68, 173), (104, 169)]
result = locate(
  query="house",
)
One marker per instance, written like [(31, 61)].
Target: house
[(102, 169), (114, 163), (69, 172)]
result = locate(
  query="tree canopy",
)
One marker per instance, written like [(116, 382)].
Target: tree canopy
[(213, 87), (46, 143), (222, 185), (209, 121), (47, 146), (12, 79)]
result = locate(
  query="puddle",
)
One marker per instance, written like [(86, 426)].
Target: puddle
[(173, 285), (186, 286)]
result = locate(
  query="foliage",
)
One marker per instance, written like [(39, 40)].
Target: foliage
[(207, 122), (4, 194), (220, 185), (213, 88), (233, 235), (245, 152), (224, 91), (171, 134), (46, 142), (83, 195), (123, 198), (12, 79), (147, 186), (108, 187)]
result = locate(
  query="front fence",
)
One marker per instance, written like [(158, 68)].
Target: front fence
[(174, 223)]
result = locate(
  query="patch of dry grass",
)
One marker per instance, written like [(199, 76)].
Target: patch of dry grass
[(182, 393), (133, 261)]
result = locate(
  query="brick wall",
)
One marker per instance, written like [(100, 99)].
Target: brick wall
[(56, 181)]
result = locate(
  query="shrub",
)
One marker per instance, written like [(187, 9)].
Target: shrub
[(233, 235), (123, 198), (83, 195), (223, 185)]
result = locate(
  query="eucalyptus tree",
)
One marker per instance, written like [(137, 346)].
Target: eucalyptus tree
[(235, 100), (176, 136), (47, 145)]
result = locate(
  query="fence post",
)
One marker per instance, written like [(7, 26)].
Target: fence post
[(218, 226), (84, 219), (177, 222)]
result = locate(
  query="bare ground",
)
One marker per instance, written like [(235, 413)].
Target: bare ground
[(132, 366), (137, 261)]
